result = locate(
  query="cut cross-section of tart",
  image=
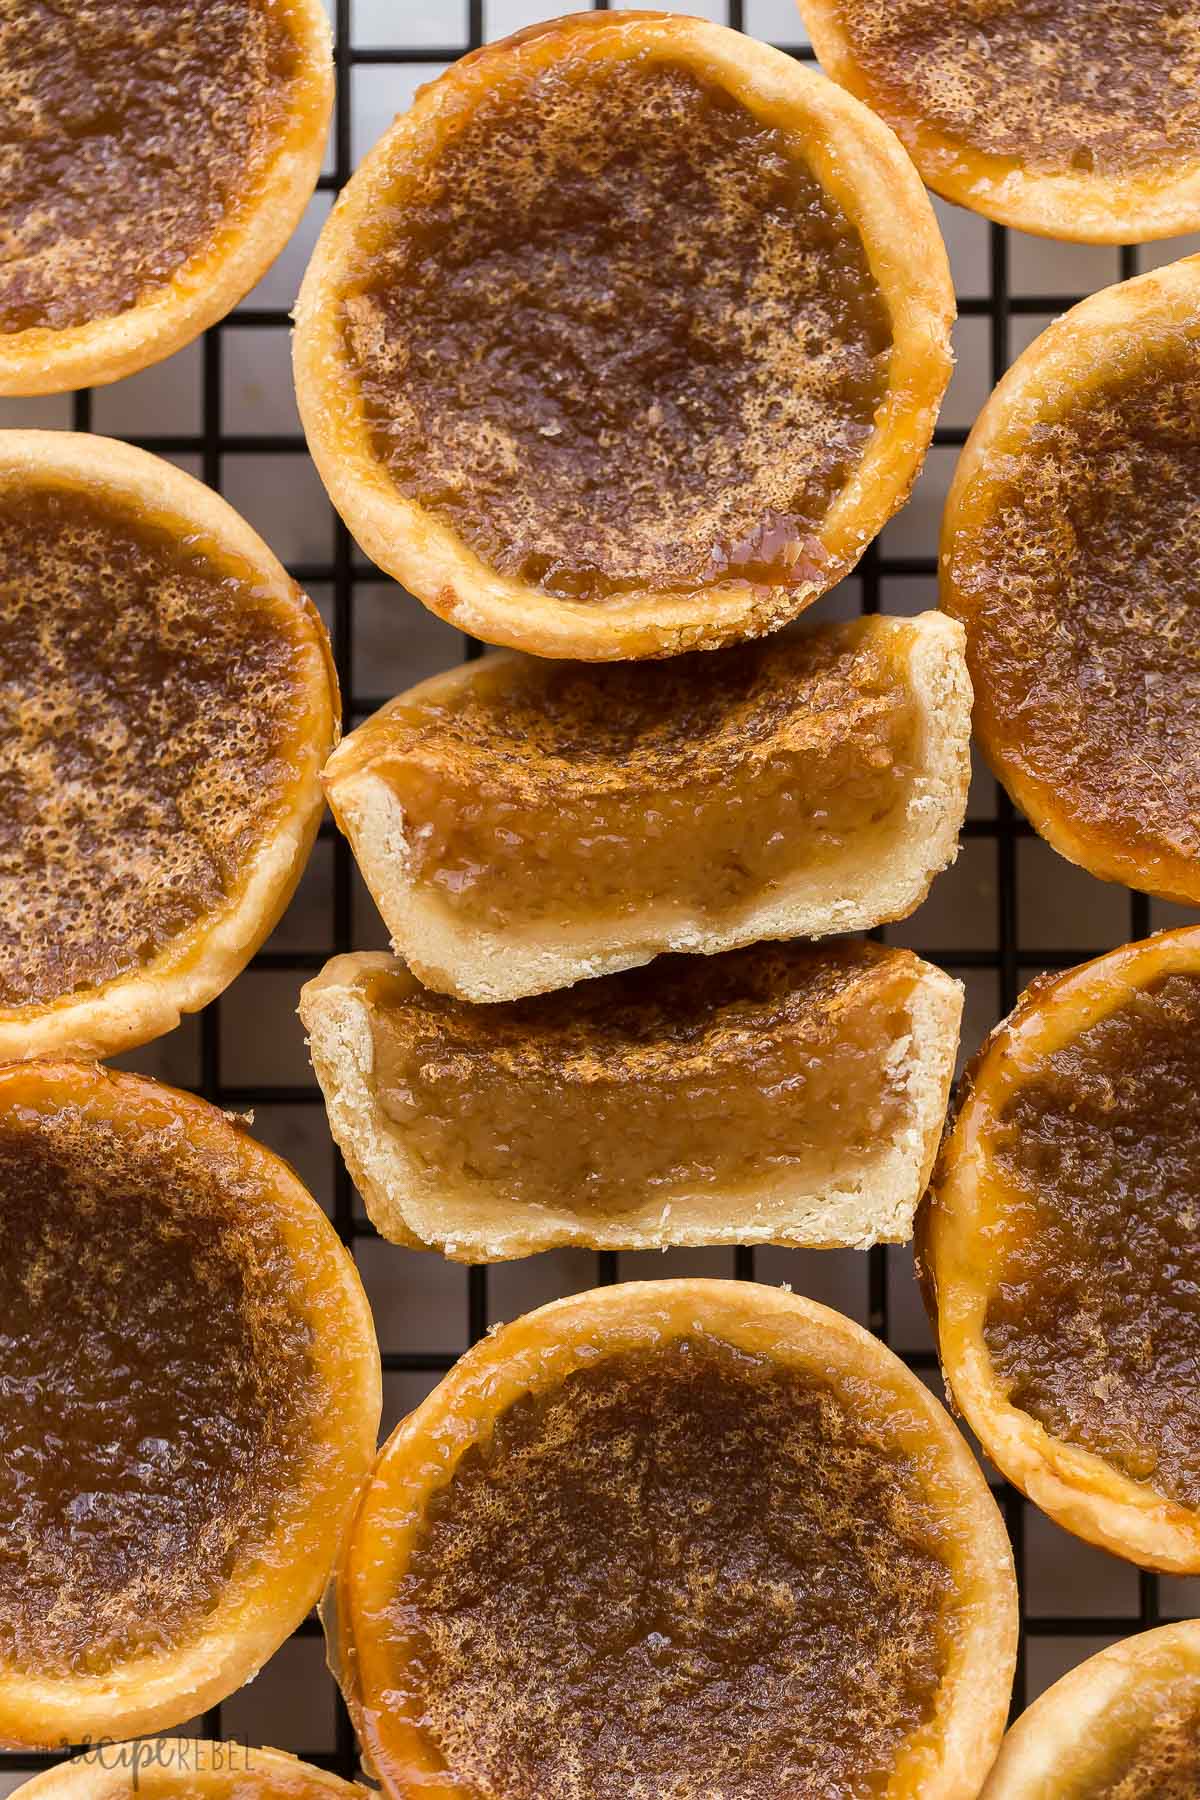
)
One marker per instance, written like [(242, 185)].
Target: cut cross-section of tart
[(1125, 1725), (1059, 1249), (1078, 119), (167, 700), (626, 340), (156, 158), (782, 1094), (1068, 552), (190, 1403), (178, 1768), (525, 824), (678, 1537)]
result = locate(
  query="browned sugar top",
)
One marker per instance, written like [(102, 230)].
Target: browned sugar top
[(1095, 1322), (1085, 646), (684, 1572), (156, 1385), (150, 698), (677, 1019), (1163, 1764), (617, 336), (1059, 86), (131, 131)]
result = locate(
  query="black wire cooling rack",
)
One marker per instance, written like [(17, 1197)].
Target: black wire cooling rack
[(1110, 1600)]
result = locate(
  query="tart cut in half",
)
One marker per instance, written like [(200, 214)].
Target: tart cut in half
[(190, 1403), (187, 1769), (781, 1094), (1075, 119), (156, 159), (678, 1537), (626, 340), (1124, 1725), (167, 700), (1068, 552), (524, 824), (1058, 1247)]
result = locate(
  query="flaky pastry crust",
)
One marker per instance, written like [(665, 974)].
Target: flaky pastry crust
[(195, 1767)]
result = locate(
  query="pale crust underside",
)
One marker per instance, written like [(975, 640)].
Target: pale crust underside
[(471, 1225), (210, 284), (142, 1005), (882, 874)]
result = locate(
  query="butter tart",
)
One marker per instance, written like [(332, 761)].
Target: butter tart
[(1059, 1246), (167, 700), (780, 1094), (1068, 552), (1075, 119), (187, 1769), (156, 158), (626, 340), (1124, 1725), (524, 824), (190, 1403), (677, 1537)]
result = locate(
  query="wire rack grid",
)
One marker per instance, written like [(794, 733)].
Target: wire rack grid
[(1010, 908)]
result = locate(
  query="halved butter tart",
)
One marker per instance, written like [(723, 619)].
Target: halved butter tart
[(1059, 1247), (523, 824), (626, 340), (156, 158), (177, 1768), (167, 700), (1068, 552), (1124, 1725), (1076, 119), (189, 1404), (780, 1094), (677, 1538)]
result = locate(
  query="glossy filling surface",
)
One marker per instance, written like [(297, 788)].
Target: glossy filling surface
[(131, 132), (1058, 86), (552, 793), (760, 1068), (157, 1386), (1163, 1763), (1083, 591), (150, 700), (1095, 1322), (616, 336), (685, 1571)]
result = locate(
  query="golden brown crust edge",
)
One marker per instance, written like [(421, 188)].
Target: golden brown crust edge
[(1075, 206), (1079, 1490), (144, 1004), (185, 1766), (857, 159), (859, 891), (538, 1350), (42, 361), (336, 1009), (250, 1622)]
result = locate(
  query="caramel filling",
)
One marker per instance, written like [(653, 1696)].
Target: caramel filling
[(150, 700), (1058, 86), (1085, 645), (557, 794), (685, 1571), (130, 133), (616, 336), (766, 1067), (1164, 1764), (157, 1383), (1094, 1323)]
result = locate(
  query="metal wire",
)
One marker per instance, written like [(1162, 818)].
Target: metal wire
[(1009, 958)]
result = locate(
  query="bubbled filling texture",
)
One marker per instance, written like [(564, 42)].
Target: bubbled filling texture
[(150, 701), (618, 337), (157, 1382), (1094, 1324), (1058, 86), (1164, 1763), (684, 1572), (1084, 645), (131, 131)]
